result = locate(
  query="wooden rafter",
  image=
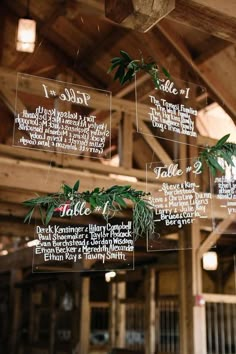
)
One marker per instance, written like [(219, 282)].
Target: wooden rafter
[(9, 98), (136, 14), (215, 235), (215, 17), (221, 95), (45, 179), (154, 143)]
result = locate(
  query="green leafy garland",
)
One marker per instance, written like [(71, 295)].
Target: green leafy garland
[(128, 67), (115, 197), (224, 150)]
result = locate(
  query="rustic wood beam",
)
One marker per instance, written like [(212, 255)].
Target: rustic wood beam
[(55, 42), (215, 235), (126, 141), (46, 180), (8, 79), (220, 298), (214, 17), (85, 315), (15, 306), (211, 48), (112, 315), (138, 14), (88, 8), (120, 315), (150, 311), (9, 98), (153, 143), (221, 95), (71, 162)]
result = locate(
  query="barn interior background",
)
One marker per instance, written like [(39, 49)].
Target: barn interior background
[(169, 303)]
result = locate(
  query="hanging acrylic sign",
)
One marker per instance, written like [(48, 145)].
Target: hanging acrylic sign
[(61, 117), (169, 112), (179, 202), (224, 191), (71, 246)]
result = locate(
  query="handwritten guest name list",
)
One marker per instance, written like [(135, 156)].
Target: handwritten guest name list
[(102, 242), (225, 198), (105, 244), (179, 203), (171, 110), (59, 118), (226, 193)]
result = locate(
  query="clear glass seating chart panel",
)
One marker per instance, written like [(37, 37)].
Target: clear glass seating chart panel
[(62, 117), (177, 203), (169, 112), (224, 200), (69, 246)]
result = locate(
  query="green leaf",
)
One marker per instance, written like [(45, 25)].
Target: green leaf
[(67, 189), (119, 73), (120, 201), (76, 186), (49, 214), (113, 66), (212, 170), (165, 72), (116, 60), (41, 214), (29, 215), (92, 202), (215, 164), (222, 141), (96, 190), (125, 55), (128, 76)]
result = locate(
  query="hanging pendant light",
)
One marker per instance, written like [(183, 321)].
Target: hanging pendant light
[(210, 261), (26, 33)]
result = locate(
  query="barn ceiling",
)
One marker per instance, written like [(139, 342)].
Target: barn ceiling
[(75, 43)]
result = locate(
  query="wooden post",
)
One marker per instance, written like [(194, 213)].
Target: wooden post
[(150, 311), (84, 316), (199, 312), (120, 314), (112, 315), (126, 141), (53, 318), (192, 314), (15, 300), (183, 296), (199, 344)]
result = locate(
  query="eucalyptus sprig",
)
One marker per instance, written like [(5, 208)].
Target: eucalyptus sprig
[(126, 68), (113, 199), (223, 150)]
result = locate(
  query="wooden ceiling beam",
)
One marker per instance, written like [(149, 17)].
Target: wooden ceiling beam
[(210, 48), (215, 235), (136, 14), (9, 98), (213, 84), (215, 17), (154, 143), (70, 162), (54, 41), (44, 179), (85, 7)]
